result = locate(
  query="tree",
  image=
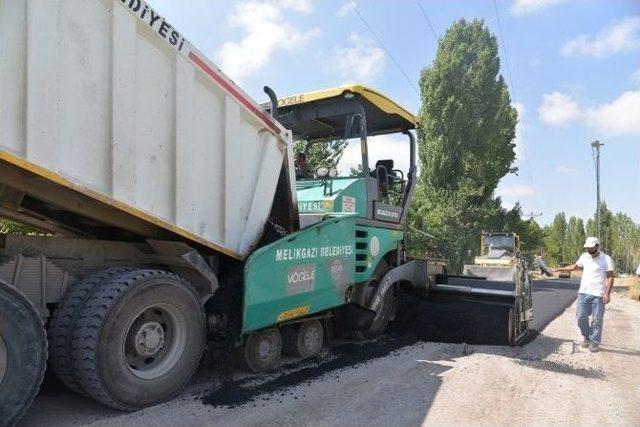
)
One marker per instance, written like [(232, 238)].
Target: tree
[(532, 237), (322, 153), (555, 239), (625, 236), (467, 126), (606, 225), (619, 238), (574, 240), (10, 227), (467, 123)]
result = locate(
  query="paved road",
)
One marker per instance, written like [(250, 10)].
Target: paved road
[(418, 321), (550, 298)]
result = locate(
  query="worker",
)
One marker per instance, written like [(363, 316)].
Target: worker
[(540, 263), (594, 292), (303, 171)]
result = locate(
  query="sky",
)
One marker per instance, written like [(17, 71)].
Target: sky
[(572, 66)]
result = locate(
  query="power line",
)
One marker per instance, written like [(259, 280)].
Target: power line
[(384, 47), (513, 89), (424, 13)]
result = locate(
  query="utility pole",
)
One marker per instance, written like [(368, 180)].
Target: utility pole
[(595, 150)]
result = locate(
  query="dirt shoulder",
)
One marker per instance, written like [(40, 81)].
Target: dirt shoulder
[(551, 380)]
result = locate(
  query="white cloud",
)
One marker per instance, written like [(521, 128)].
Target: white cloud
[(394, 147), (346, 8), (557, 108), (362, 61), (266, 30), (518, 190), (619, 117), (620, 36), (303, 6), (523, 7), (566, 170)]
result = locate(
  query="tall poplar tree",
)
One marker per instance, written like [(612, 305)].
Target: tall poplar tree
[(466, 132)]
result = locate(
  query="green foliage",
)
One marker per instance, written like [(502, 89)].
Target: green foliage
[(10, 227), (467, 123), (606, 226), (564, 239), (467, 126), (555, 239), (323, 153), (574, 239), (454, 226), (531, 237), (624, 239), (355, 172), (619, 237)]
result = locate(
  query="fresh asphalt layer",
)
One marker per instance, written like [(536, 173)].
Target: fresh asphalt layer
[(550, 298)]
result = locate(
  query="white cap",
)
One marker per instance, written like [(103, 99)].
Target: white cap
[(591, 242)]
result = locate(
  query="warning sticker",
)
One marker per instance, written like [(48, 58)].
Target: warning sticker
[(348, 204)]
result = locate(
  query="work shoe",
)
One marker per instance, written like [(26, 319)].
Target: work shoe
[(585, 343), (594, 348)]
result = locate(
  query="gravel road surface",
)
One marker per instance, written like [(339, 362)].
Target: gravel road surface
[(433, 367)]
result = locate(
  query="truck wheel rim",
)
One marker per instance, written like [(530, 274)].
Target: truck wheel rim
[(311, 338), (3, 358), (155, 341), (265, 349)]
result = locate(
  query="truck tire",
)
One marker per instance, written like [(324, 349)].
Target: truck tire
[(64, 321), (139, 339), (23, 354), (262, 351), (303, 339)]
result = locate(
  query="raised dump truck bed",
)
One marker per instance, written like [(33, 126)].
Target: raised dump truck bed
[(112, 123), (152, 176)]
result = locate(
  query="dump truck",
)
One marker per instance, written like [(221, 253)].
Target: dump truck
[(168, 214)]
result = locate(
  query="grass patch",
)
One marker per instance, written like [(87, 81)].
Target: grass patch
[(633, 286)]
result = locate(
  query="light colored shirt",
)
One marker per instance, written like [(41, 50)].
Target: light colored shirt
[(594, 273), (638, 270)]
